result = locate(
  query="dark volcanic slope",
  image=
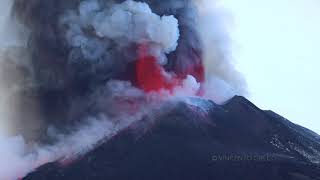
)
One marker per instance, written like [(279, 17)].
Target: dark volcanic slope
[(201, 140)]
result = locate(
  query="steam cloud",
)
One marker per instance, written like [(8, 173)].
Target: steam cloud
[(117, 27), (79, 71)]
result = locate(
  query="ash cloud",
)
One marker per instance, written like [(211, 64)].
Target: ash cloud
[(117, 27), (24, 157), (71, 65), (77, 46), (223, 80)]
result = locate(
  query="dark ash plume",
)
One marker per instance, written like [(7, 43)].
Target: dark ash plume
[(90, 68), (72, 57)]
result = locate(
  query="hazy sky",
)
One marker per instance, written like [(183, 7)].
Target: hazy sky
[(277, 46)]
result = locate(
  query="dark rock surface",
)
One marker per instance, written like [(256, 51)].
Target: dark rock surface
[(200, 140)]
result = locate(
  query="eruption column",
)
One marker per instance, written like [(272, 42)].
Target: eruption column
[(150, 75)]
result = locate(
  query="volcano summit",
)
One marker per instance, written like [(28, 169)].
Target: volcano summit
[(199, 139)]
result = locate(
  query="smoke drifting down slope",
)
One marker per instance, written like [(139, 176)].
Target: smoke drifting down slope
[(112, 61)]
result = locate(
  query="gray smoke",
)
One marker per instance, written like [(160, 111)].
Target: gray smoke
[(68, 71), (77, 46), (117, 26)]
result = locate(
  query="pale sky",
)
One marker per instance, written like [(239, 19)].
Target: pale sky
[(276, 44)]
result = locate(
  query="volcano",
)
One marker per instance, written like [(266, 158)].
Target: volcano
[(198, 139)]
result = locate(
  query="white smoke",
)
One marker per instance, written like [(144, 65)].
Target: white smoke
[(126, 23), (223, 81), (123, 24), (17, 157), (189, 87), (24, 157)]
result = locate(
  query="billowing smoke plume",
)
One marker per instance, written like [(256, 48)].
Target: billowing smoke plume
[(90, 68), (116, 27)]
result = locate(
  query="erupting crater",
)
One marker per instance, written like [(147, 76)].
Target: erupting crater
[(152, 77)]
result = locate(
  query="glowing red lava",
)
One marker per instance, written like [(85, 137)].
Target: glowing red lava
[(151, 76)]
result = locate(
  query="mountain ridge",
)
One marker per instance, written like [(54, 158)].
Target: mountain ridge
[(199, 139)]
